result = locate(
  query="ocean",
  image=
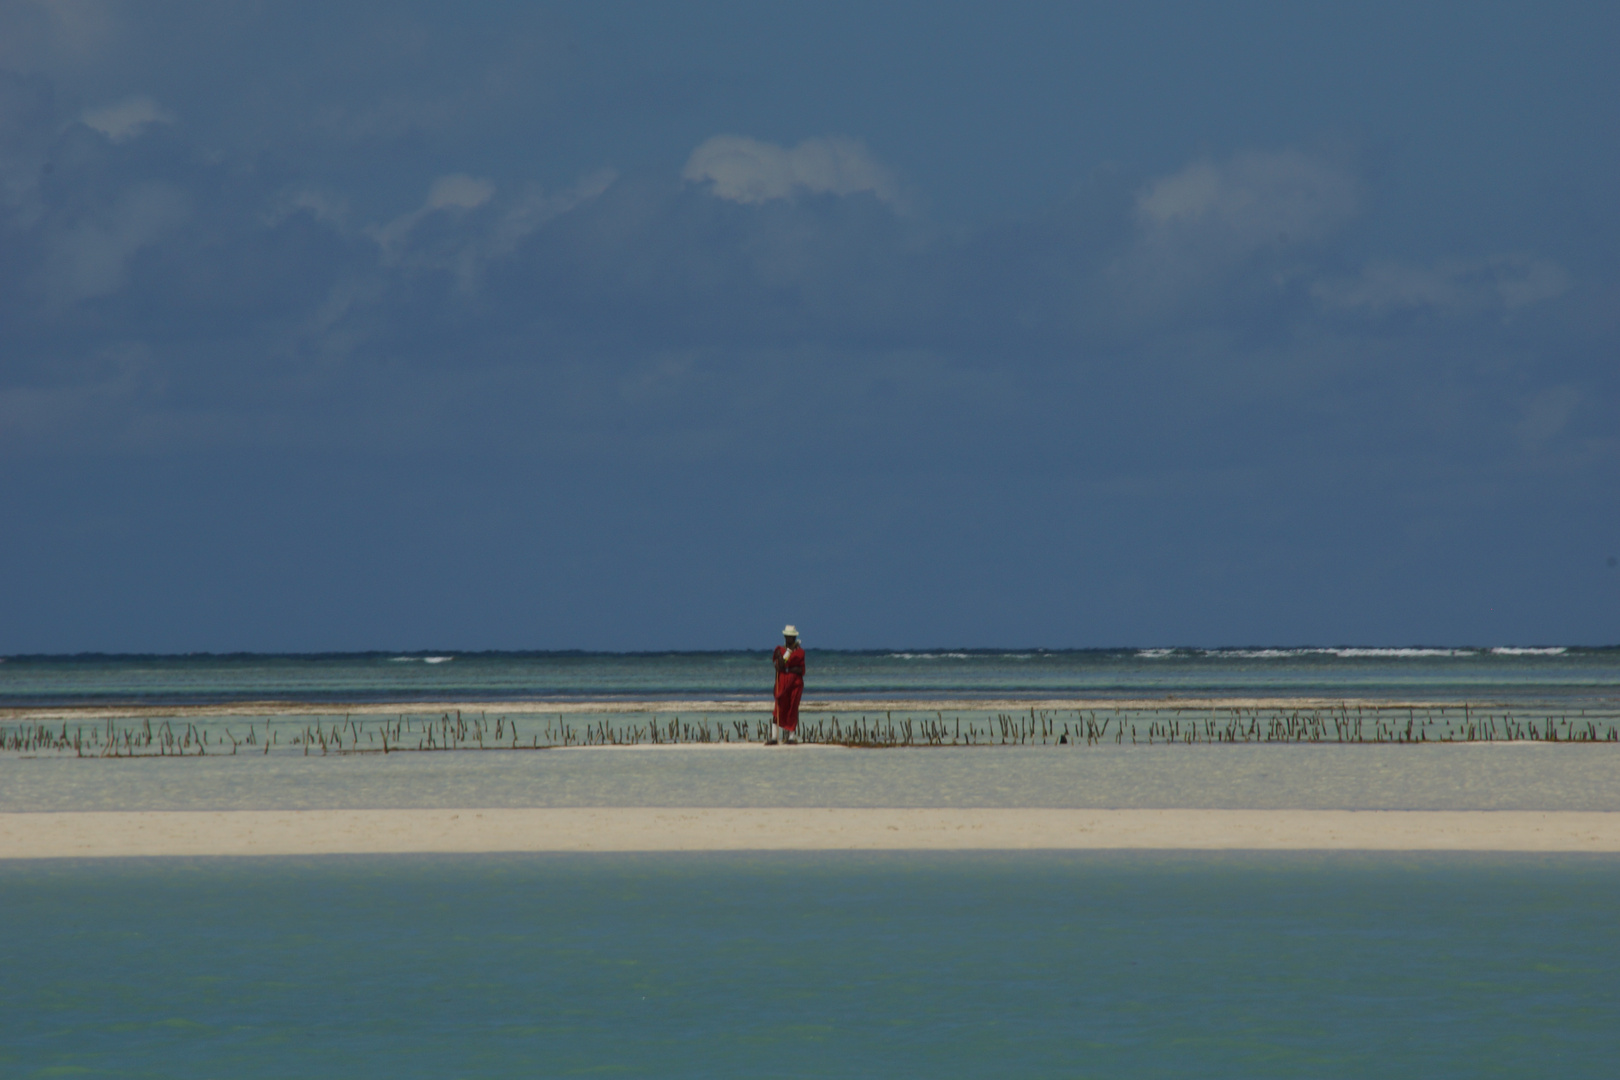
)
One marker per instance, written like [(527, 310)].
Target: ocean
[(1234, 965), (1014, 964), (1562, 677)]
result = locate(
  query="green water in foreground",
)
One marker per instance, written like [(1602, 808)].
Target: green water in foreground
[(814, 965)]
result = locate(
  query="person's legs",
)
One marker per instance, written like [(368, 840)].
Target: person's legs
[(790, 712)]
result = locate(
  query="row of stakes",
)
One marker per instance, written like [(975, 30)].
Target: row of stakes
[(454, 731)]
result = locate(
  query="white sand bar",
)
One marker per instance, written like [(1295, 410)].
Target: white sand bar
[(333, 832)]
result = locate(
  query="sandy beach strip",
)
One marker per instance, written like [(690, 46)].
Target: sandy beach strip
[(335, 832)]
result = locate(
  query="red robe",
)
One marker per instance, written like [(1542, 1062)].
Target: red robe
[(789, 686)]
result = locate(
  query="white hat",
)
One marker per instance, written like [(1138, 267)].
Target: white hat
[(790, 630)]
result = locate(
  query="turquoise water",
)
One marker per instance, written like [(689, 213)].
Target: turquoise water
[(984, 965), (1568, 676), (707, 965)]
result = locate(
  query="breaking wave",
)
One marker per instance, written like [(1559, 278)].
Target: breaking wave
[(1398, 653), (1352, 652)]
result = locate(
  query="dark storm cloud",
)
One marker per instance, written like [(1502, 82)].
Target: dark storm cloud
[(202, 283), (378, 247)]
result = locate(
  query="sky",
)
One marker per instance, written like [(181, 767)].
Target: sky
[(620, 325)]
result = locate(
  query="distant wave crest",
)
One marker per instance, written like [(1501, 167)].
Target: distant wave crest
[(1398, 653), (1345, 653), (1351, 652)]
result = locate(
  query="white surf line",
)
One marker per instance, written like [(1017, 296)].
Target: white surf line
[(352, 832)]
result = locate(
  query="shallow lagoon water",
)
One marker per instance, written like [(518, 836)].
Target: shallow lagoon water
[(1570, 677), (1109, 964), (860, 965), (1520, 776)]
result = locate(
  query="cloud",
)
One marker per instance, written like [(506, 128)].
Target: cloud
[(467, 247), (492, 281), (1206, 228), (321, 205), (1249, 201), (91, 257), (535, 207), (1454, 286), (456, 192), (749, 171), (126, 119)]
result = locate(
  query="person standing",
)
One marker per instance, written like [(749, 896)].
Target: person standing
[(789, 661)]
